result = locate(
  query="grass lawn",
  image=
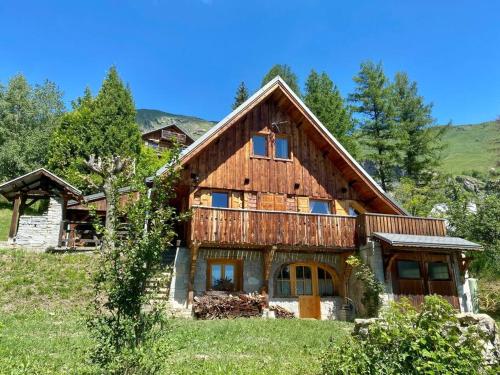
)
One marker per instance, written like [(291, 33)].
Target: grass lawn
[(42, 299), (5, 216)]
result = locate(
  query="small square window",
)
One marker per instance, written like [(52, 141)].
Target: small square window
[(281, 150), (220, 200), (408, 269), (319, 207), (438, 271), (259, 145)]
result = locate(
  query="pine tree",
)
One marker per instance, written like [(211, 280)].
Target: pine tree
[(372, 101), (241, 95), (324, 100), (103, 126), (286, 73), (422, 141)]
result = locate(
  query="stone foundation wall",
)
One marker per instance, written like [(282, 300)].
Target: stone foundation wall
[(39, 232)]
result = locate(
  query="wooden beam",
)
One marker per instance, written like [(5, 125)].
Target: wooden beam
[(192, 270), (266, 274), (16, 212)]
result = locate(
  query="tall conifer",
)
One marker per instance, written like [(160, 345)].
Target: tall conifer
[(285, 72), (372, 102), (324, 100), (241, 95)]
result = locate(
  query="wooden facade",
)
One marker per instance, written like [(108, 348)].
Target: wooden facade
[(165, 137)]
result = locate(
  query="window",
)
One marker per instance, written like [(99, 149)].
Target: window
[(153, 144), (438, 271), (325, 283), (220, 199), (408, 269), (303, 280), (294, 280), (283, 282), (281, 150), (353, 211), (259, 145), (319, 207), (224, 275)]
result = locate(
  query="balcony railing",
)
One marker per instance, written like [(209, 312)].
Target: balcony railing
[(173, 136), (252, 228), (370, 223)]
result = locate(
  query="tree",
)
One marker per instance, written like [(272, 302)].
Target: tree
[(122, 328), (104, 126), (372, 102), (286, 73), (241, 95), (324, 100), (28, 116), (422, 141)]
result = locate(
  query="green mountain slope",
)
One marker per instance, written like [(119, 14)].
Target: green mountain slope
[(472, 147), (469, 147), (151, 119)]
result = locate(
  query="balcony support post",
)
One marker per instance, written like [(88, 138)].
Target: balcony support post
[(267, 265), (193, 249)]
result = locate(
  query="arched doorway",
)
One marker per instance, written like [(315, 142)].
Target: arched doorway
[(309, 282)]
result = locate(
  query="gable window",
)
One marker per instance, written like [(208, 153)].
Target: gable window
[(220, 199), (224, 274), (438, 271), (281, 149), (408, 269), (319, 206), (259, 145)]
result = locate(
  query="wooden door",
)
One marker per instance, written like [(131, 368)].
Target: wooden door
[(309, 307)]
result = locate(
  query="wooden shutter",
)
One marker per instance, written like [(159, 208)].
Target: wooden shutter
[(205, 198), (266, 201), (280, 202), (303, 204), (291, 204), (250, 200), (236, 200), (341, 207)]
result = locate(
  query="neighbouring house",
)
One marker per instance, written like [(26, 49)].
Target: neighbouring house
[(163, 138), (278, 205)]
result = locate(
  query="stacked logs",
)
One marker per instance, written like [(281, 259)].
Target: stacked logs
[(222, 305), (281, 313)]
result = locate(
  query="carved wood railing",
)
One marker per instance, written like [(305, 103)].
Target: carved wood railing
[(370, 223), (173, 136), (254, 228)]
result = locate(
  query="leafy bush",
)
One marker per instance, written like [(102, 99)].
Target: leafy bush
[(407, 341), (372, 288)]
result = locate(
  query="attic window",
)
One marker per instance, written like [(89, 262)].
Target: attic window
[(281, 149), (259, 145)]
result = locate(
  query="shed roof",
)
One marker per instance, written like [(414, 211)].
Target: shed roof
[(35, 182), (438, 242)]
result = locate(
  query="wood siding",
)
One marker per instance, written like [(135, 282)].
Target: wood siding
[(227, 163)]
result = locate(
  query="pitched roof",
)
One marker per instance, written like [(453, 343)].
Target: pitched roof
[(260, 95), (33, 180), (410, 240)]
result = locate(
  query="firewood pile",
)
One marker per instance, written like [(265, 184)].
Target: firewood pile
[(281, 312), (223, 305)]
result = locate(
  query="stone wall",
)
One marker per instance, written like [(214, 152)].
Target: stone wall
[(39, 232)]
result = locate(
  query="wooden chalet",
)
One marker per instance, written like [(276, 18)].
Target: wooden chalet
[(163, 138), (278, 205)]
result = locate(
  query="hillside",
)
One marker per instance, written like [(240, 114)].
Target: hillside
[(151, 119), (469, 147), (472, 147)]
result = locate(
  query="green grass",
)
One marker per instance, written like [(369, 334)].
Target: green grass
[(5, 216), (471, 147), (42, 330)]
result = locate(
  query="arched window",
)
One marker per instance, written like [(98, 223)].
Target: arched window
[(304, 279), (283, 282)]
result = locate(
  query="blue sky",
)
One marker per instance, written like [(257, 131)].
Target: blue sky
[(188, 56)]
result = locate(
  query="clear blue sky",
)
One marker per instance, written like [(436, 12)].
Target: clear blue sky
[(188, 56)]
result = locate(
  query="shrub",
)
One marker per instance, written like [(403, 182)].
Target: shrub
[(407, 341), (372, 288)]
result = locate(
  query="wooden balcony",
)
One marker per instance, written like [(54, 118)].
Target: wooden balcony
[(169, 135), (223, 227), (370, 223)]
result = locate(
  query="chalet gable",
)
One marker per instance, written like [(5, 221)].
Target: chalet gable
[(283, 99)]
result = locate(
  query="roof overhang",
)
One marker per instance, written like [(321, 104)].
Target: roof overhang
[(279, 84), (396, 240), (34, 182)]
